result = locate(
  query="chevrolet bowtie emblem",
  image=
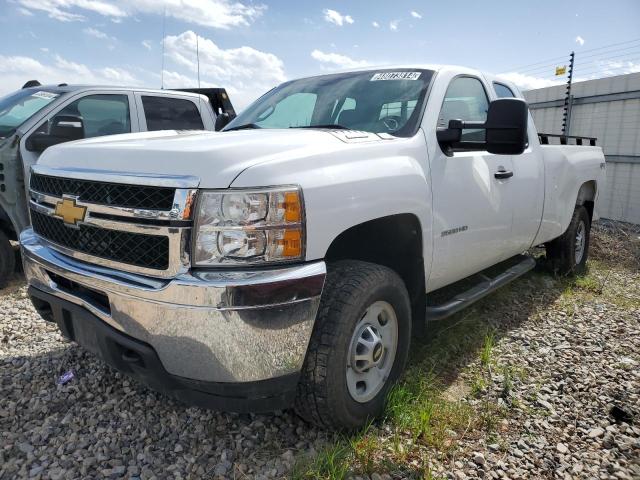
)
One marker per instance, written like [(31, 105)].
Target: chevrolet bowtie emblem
[(70, 213)]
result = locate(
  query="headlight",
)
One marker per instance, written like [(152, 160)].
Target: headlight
[(249, 226)]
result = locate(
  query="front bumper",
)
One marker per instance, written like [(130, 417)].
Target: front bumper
[(211, 326)]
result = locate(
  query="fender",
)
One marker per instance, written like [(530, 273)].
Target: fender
[(349, 187), (572, 177)]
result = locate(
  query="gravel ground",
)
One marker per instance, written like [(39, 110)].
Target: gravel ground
[(565, 371)]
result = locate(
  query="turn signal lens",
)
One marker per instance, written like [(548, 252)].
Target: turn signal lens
[(292, 208)]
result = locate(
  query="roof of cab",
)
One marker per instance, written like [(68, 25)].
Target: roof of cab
[(64, 88)]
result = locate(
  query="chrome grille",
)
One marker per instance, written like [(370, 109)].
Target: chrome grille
[(104, 193), (141, 250), (133, 223)]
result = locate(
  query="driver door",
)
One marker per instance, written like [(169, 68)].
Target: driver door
[(472, 216)]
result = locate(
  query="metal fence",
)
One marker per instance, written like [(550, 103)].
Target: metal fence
[(609, 109)]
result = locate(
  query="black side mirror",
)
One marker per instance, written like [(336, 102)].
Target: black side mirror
[(506, 129), (506, 125), (62, 128), (222, 120)]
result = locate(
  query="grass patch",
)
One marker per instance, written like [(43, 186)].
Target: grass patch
[(487, 349), (331, 463)]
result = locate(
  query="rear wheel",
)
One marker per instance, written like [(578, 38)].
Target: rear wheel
[(568, 253), (358, 348), (7, 259)]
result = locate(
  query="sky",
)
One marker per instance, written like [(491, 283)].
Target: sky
[(249, 46)]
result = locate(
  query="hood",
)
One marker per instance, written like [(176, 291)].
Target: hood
[(216, 158)]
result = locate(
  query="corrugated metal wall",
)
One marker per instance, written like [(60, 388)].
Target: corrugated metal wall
[(609, 109)]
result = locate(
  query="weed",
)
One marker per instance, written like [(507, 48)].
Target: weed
[(507, 382), (487, 349), (478, 386), (331, 463)]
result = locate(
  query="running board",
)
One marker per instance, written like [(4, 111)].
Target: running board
[(480, 290)]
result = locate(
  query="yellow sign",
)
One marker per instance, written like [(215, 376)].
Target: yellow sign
[(70, 213), (561, 70)]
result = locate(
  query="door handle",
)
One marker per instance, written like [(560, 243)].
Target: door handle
[(503, 174)]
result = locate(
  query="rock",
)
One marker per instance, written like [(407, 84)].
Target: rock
[(596, 432), (220, 470), (478, 458), (562, 448)]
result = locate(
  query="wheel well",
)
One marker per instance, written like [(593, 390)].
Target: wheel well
[(395, 242), (586, 196)]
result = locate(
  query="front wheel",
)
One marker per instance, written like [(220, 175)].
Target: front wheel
[(358, 348), (568, 253)]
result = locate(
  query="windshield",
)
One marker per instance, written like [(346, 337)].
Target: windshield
[(377, 101), (18, 107)]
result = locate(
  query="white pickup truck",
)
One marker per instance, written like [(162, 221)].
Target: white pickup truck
[(288, 259)]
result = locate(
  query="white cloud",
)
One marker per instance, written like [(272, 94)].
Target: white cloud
[(244, 71), (223, 14), (580, 40), (612, 67), (147, 44), (375, 24), (336, 61), (415, 14), (16, 70), (60, 9), (336, 18), (529, 82), (393, 25), (94, 32)]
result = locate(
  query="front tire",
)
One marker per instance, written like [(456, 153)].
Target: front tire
[(568, 253), (358, 348)]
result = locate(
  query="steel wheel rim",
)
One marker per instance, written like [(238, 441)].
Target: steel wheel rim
[(581, 240), (372, 351)]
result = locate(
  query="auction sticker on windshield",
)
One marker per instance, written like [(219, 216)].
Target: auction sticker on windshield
[(396, 76), (45, 95)]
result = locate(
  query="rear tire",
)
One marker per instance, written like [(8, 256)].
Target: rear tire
[(355, 353), (7, 259), (568, 253)]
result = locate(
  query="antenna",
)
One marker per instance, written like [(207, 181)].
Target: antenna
[(164, 21), (198, 63)]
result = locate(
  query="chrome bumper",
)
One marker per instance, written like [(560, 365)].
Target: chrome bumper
[(216, 326)]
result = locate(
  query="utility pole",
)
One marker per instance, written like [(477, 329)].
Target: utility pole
[(568, 101)]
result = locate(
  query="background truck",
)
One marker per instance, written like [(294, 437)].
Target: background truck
[(37, 117), (288, 260)]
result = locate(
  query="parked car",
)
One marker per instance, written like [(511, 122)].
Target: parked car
[(37, 117), (288, 260)]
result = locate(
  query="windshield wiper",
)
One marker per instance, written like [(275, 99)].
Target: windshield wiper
[(246, 126), (328, 125)]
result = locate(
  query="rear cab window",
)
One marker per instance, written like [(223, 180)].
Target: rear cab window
[(502, 91), (169, 113)]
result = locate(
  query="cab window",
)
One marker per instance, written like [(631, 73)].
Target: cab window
[(465, 100), (104, 114), (167, 113), (502, 91)]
